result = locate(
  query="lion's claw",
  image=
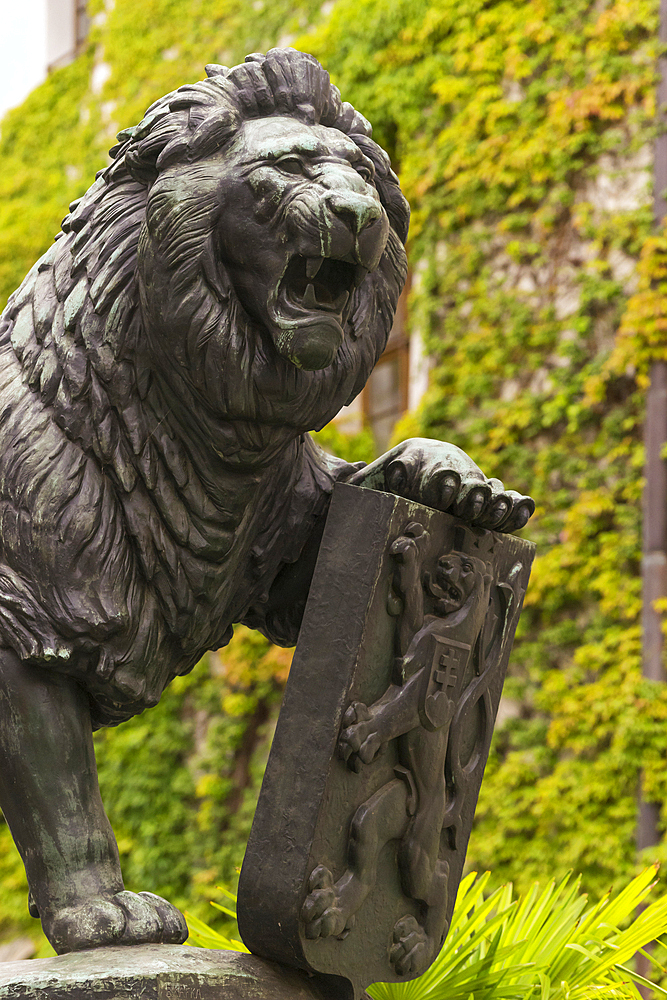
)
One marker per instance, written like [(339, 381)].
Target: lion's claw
[(447, 487), (523, 509), (320, 914), (442, 476), (411, 952), (142, 921), (498, 510), (124, 918), (472, 502), (396, 478), (174, 927), (359, 742), (356, 712), (406, 548)]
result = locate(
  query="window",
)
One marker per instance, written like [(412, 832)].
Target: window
[(82, 24), (385, 397), (67, 27)]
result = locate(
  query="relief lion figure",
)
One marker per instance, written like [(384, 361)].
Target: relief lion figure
[(225, 286)]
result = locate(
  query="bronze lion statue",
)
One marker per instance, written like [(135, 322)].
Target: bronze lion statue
[(225, 286)]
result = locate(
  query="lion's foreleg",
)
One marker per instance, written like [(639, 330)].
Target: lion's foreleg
[(48, 787), (367, 729), (51, 799)]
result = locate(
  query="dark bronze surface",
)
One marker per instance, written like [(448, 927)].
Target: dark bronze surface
[(226, 285), (360, 835)]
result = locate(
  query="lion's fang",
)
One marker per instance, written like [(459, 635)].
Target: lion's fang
[(313, 264), (309, 298)]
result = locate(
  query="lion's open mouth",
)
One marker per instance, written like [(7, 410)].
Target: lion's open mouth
[(309, 312), (320, 283), (450, 593), (445, 589)]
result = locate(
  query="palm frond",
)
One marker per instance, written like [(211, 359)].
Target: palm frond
[(552, 944), (203, 936)]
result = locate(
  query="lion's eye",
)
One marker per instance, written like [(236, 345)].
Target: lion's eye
[(290, 164)]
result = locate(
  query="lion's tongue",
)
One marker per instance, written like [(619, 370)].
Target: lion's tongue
[(314, 345), (310, 300)]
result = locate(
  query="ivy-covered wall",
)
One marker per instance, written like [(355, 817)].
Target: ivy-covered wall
[(522, 133), (543, 134)]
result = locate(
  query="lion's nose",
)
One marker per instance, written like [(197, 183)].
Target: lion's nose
[(355, 210)]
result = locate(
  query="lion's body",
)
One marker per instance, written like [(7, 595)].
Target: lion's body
[(152, 484)]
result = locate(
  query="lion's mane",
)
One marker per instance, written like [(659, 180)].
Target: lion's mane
[(123, 546)]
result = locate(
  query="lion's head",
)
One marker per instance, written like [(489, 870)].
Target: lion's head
[(261, 230), (297, 223), (456, 576)]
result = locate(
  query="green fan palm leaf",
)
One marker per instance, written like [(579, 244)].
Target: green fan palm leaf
[(552, 944)]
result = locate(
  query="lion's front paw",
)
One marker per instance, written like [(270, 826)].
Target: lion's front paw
[(442, 476), (359, 742), (412, 948), (122, 919)]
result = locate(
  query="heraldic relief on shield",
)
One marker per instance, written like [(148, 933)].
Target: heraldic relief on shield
[(361, 831)]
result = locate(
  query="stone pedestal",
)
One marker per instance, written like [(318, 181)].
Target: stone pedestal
[(158, 972)]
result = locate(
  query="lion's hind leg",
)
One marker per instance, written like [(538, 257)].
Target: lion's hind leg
[(416, 942), (330, 907)]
